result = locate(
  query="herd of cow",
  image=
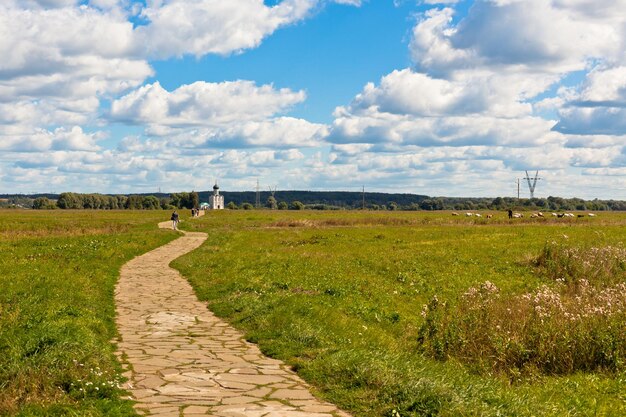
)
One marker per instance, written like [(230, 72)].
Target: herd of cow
[(532, 215)]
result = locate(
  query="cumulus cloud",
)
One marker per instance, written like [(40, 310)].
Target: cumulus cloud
[(394, 133), (74, 139), (409, 108), (597, 106), (200, 27), (229, 114), (553, 37), (59, 62), (202, 103)]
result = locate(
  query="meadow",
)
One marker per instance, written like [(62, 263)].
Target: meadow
[(383, 313), (428, 314), (57, 316)]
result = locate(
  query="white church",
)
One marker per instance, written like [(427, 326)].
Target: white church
[(216, 201)]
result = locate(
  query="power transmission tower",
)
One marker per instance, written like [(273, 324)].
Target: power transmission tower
[(532, 186), (258, 195), (273, 191)]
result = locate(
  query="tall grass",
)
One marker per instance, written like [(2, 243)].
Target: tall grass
[(603, 265), (577, 323), (57, 275)]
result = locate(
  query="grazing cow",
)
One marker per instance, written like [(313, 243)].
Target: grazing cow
[(592, 215), (517, 215), (478, 215), (540, 214), (455, 214), (469, 214), (555, 215), (581, 215), (560, 215), (489, 216), (569, 215)]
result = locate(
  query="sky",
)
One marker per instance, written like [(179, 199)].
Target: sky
[(442, 98)]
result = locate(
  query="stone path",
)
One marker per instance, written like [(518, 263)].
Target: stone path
[(183, 361)]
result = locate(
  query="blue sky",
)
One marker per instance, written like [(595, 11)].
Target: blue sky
[(445, 98)]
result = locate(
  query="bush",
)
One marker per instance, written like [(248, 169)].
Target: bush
[(43, 203), (297, 205)]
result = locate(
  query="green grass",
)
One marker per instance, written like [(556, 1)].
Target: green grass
[(339, 296), (57, 317)]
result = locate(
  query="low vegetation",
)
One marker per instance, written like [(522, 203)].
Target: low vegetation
[(575, 323), (340, 296), (57, 274), (524, 317)]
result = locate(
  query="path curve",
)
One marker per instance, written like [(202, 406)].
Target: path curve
[(181, 360)]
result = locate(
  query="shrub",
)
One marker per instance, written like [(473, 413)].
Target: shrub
[(43, 203), (297, 205)]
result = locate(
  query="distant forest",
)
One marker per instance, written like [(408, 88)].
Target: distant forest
[(296, 200)]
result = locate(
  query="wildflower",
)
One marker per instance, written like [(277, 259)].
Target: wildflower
[(489, 287)]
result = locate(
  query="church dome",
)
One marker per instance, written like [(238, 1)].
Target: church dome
[(216, 187)]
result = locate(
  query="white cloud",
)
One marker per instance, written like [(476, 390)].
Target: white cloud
[(204, 104), (529, 35), (464, 92), (43, 3), (59, 62), (41, 140), (274, 133), (199, 27), (229, 114), (410, 108)]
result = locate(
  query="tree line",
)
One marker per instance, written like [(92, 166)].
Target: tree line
[(78, 201), (298, 200)]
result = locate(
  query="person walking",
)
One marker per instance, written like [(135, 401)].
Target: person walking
[(510, 214), (174, 219)]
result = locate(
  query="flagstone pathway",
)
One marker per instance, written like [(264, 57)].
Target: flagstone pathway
[(183, 361)]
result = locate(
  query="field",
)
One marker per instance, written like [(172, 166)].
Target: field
[(57, 274), (341, 297)]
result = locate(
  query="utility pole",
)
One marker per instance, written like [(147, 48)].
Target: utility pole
[(532, 186), (363, 197), (258, 194), (518, 188)]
